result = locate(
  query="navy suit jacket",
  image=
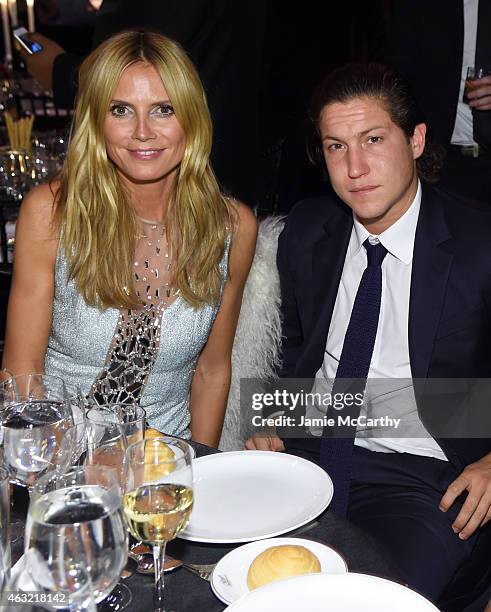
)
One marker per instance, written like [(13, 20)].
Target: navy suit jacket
[(449, 325)]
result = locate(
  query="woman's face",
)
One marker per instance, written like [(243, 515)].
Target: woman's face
[(143, 136)]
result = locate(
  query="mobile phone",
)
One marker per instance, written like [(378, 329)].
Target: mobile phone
[(21, 35)]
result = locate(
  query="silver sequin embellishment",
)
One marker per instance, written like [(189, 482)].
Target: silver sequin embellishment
[(136, 342)]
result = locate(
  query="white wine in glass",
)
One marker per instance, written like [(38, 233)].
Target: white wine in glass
[(158, 497)]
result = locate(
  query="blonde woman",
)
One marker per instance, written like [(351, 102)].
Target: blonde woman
[(129, 269)]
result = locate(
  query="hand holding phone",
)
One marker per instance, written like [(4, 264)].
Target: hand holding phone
[(21, 35), (40, 65)]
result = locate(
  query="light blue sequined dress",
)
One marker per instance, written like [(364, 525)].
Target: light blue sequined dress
[(90, 349)]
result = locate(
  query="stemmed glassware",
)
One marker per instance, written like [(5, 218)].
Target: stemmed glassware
[(158, 497), (102, 443), (106, 444), (76, 539), (35, 416), (16, 526), (130, 418), (21, 170), (35, 411), (5, 556)]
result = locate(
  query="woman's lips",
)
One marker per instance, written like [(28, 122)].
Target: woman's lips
[(145, 154)]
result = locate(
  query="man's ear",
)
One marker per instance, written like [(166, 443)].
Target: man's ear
[(418, 140)]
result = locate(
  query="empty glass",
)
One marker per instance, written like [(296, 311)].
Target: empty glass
[(106, 445), (130, 418)]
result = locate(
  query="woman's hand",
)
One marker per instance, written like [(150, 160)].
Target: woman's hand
[(266, 441), (40, 65)]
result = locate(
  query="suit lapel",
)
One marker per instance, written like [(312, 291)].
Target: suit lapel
[(432, 263), (328, 256)]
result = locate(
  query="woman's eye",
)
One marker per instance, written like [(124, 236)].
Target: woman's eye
[(119, 110), (374, 139), (335, 146), (164, 110)]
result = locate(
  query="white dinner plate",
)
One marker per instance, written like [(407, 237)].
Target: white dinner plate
[(243, 496), (229, 578), (342, 593)]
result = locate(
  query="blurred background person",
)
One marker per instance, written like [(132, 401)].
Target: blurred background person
[(225, 42), (432, 44)]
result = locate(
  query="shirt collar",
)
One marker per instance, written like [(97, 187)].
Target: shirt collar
[(398, 239)]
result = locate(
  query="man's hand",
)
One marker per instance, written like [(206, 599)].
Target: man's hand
[(40, 65), (476, 511), (480, 97), (266, 441)]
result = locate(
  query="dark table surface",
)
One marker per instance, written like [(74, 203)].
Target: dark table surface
[(186, 592)]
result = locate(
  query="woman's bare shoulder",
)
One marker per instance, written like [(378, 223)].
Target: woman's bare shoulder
[(38, 208), (243, 219), (243, 240)]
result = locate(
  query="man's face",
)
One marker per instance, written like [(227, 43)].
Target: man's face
[(371, 162)]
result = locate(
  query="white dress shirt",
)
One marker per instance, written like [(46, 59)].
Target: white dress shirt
[(390, 359), (463, 128)]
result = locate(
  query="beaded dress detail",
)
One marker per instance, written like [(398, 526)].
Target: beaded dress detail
[(136, 341), (90, 348)]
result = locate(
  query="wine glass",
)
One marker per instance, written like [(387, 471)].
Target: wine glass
[(35, 415), (158, 497), (77, 405), (5, 557), (31, 387), (106, 444), (16, 530), (102, 443), (76, 540), (129, 417)]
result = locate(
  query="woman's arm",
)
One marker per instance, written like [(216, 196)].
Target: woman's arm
[(211, 381), (31, 294)]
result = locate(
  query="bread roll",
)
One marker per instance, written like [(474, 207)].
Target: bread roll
[(160, 452), (280, 562), (150, 432)]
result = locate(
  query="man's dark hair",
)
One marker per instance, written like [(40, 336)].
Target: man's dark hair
[(377, 82)]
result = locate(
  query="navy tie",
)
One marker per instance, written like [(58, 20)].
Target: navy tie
[(354, 364)]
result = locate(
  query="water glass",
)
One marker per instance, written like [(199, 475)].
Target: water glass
[(36, 413), (76, 539), (35, 441), (5, 558)]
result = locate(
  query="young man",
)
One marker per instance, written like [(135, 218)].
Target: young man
[(392, 281)]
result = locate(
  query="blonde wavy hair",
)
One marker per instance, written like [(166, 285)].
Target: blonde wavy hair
[(98, 222)]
